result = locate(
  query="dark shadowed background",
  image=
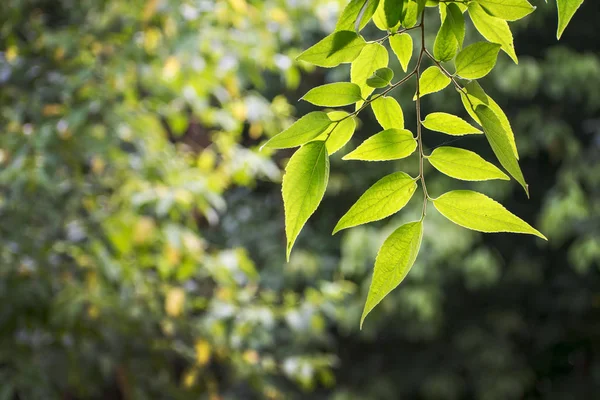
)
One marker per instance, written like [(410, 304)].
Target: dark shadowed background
[(142, 250)]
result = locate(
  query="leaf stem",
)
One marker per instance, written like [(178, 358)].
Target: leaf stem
[(419, 124)]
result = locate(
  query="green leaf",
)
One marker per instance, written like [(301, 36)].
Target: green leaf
[(445, 45), (302, 131), (381, 78), (566, 10), (509, 10), (457, 22), (412, 12), (334, 94), (352, 12), (335, 49), (386, 197), (478, 212), (394, 260), (432, 80), (371, 58), (402, 46), (475, 96), (449, 124), (304, 184), (388, 112), (393, 10), (390, 144), (338, 133), (464, 164), (498, 139), (494, 29), (477, 60)]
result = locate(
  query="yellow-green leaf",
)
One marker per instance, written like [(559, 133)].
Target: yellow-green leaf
[(394, 260), (388, 112), (373, 57), (566, 10), (509, 10), (432, 80), (464, 164), (449, 124), (390, 144), (494, 29), (475, 96), (455, 17), (334, 94), (335, 49), (498, 139), (402, 46), (304, 184), (445, 45), (352, 12), (386, 197), (339, 132), (478, 212), (302, 131), (477, 60)]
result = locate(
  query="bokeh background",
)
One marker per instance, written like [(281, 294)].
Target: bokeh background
[(142, 251)]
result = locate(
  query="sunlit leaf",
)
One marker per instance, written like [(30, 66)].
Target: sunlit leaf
[(386, 197), (302, 131), (394, 260), (477, 60), (371, 58), (478, 212), (498, 139), (432, 80), (402, 46), (464, 164), (339, 132), (388, 112), (509, 10), (390, 144), (566, 10), (304, 184), (335, 49), (352, 12), (494, 29), (334, 94), (449, 124)]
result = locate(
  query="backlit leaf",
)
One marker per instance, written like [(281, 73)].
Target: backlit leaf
[(509, 10), (394, 260), (304, 184), (371, 58), (449, 124), (445, 45), (386, 197), (402, 46), (432, 80), (494, 29), (334, 94), (566, 10), (464, 164), (477, 60), (338, 133), (352, 12), (335, 49), (478, 212), (390, 144), (498, 139), (302, 131), (388, 112)]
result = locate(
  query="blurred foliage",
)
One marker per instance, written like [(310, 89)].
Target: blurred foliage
[(141, 234)]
